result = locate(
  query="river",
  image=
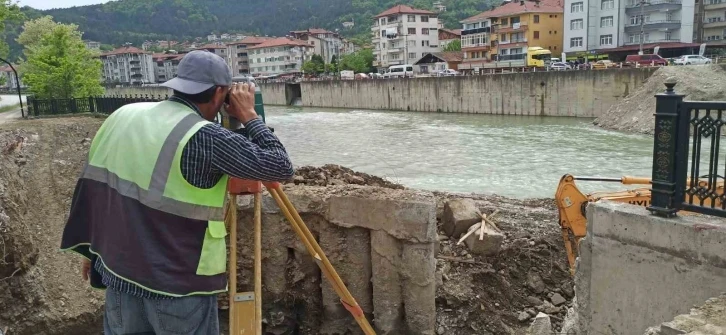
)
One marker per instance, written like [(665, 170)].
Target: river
[(513, 156)]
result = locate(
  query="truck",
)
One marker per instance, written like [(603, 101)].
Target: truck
[(535, 57)]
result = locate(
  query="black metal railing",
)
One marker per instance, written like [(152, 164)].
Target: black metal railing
[(688, 169), (103, 105)]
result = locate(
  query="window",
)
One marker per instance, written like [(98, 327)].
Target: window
[(505, 22), (411, 43), (606, 21), (536, 19), (424, 43), (577, 7), (412, 55), (424, 31), (536, 35), (667, 35), (412, 18), (636, 19), (575, 42), (576, 24), (383, 20), (412, 31), (607, 4), (424, 18), (606, 39)]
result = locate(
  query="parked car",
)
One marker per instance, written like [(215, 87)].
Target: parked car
[(560, 66), (692, 60), (603, 64), (447, 73), (645, 60)]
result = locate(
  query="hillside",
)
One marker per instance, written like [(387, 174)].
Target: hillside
[(134, 21)]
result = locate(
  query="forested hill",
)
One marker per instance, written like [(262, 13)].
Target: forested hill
[(118, 22)]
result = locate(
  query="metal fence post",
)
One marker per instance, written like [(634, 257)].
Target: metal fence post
[(667, 187)]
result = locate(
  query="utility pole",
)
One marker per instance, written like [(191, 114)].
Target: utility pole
[(642, 23)]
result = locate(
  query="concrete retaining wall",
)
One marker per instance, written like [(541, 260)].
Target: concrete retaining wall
[(567, 93), (637, 270), (381, 243)]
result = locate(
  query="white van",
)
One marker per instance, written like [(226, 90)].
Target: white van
[(399, 71)]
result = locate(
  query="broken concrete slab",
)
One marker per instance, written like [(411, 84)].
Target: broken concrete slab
[(489, 245), (707, 319), (459, 215), (418, 268), (541, 325), (387, 291)]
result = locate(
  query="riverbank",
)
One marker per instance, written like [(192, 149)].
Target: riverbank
[(41, 292), (635, 113)]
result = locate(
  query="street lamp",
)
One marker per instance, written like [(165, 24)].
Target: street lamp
[(17, 83), (642, 22)]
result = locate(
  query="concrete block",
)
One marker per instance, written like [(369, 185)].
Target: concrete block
[(459, 216), (387, 291), (541, 325), (418, 267), (405, 215), (489, 245)]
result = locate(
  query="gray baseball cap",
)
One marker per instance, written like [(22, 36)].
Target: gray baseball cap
[(199, 71)]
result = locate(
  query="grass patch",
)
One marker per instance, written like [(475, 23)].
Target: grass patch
[(9, 108)]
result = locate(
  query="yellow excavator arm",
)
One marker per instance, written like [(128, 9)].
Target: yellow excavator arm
[(571, 204)]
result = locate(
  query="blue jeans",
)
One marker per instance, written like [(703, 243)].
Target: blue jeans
[(129, 315)]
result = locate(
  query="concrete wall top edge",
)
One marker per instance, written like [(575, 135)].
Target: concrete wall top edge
[(696, 238)]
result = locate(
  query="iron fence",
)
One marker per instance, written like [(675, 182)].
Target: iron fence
[(688, 169), (103, 105)]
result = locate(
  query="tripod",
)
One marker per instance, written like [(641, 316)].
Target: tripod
[(242, 306)]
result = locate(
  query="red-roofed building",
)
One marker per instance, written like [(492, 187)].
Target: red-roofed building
[(166, 66), (325, 43), (447, 36), (216, 48), (279, 56), (238, 55), (403, 34), (506, 32), (128, 66)]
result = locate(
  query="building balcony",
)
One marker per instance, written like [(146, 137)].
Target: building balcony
[(394, 50), (714, 4), (476, 31), (672, 40), (654, 25), (512, 28), (512, 41), (395, 62), (633, 7), (714, 22)]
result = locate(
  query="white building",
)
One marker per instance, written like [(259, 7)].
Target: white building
[(592, 25), (713, 28), (238, 55), (166, 66), (402, 35), (212, 37), (128, 66), (325, 43), (218, 49), (93, 45), (8, 80), (279, 56)]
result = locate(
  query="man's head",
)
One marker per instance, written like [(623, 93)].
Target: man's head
[(204, 79)]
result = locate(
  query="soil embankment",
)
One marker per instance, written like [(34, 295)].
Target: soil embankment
[(41, 291), (635, 112)]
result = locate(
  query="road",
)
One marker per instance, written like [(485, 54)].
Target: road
[(6, 100)]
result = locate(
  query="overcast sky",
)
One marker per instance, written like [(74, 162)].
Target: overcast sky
[(48, 4)]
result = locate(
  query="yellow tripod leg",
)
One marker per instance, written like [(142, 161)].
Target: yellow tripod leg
[(316, 251), (245, 309)]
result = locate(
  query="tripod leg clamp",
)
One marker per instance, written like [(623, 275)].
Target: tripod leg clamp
[(356, 311)]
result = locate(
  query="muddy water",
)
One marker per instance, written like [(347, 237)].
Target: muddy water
[(513, 156)]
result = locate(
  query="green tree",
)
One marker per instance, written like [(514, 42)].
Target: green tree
[(360, 61), (59, 65), (454, 45), (309, 67), (319, 63), (9, 13)]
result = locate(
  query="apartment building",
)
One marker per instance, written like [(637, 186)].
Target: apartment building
[(402, 35), (713, 28), (447, 36), (128, 66), (238, 54), (325, 43), (217, 49), (506, 32), (593, 25), (166, 66), (278, 56), (93, 45)]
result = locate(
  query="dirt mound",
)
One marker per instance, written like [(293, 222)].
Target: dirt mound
[(331, 174), (501, 294), (635, 112), (41, 290)]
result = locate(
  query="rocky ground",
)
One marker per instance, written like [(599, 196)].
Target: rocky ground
[(41, 291), (635, 112)]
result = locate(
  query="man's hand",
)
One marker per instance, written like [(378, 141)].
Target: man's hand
[(86, 269), (242, 102)]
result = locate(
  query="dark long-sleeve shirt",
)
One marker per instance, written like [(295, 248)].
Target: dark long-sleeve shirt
[(212, 152)]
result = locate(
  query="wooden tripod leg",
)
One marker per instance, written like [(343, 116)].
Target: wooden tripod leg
[(316, 251), (258, 264), (242, 313)]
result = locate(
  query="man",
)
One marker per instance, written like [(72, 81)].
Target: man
[(147, 213)]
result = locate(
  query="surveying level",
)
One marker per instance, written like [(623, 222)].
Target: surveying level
[(245, 309)]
